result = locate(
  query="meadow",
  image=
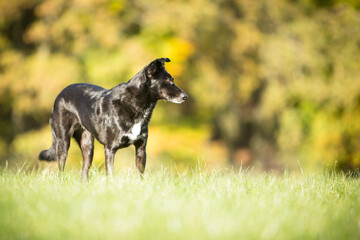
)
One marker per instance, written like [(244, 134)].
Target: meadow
[(166, 204)]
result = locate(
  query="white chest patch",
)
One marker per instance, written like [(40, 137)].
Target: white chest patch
[(134, 131)]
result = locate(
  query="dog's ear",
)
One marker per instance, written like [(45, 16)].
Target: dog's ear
[(163, 60), (156, 66)]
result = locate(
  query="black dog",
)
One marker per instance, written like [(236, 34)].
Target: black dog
[(117, 117)]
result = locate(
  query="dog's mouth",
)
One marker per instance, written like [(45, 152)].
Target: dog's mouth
[(179, 99)]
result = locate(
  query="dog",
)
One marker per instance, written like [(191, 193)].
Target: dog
[(117, 118)]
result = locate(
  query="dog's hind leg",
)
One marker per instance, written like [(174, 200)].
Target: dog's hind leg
[(63, 129), (62, 147), (86, 142)]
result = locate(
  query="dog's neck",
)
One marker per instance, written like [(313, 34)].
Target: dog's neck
[(139, 87), (136, 96)]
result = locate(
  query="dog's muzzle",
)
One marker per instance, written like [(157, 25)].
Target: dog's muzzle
[(180, 99), (184, 97)]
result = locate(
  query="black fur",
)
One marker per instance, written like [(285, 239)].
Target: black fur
[(117, 118)]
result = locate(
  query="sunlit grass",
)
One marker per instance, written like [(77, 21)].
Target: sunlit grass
[(168, 205)]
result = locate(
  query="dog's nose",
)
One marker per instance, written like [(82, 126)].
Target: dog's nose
[(185, 96)]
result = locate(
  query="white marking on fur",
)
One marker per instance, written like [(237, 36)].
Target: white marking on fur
[(135, 131), (177, 101)]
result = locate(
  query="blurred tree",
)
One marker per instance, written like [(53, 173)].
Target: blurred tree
[(15, 18), (316, 78)]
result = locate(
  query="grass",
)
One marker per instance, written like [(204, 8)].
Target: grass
[(218, 205)]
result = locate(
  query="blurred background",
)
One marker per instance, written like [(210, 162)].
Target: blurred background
[(272, 84)]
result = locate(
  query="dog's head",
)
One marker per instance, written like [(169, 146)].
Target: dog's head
[(162, 84)]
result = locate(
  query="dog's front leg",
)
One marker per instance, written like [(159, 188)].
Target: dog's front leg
[(109, 161), (140, 148)]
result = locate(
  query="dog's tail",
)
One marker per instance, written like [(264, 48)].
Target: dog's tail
[(48, 155)]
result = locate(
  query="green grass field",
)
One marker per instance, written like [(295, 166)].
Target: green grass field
[(166, 205)]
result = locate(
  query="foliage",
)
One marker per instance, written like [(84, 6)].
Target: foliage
[(198, 205), (275, 82)]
